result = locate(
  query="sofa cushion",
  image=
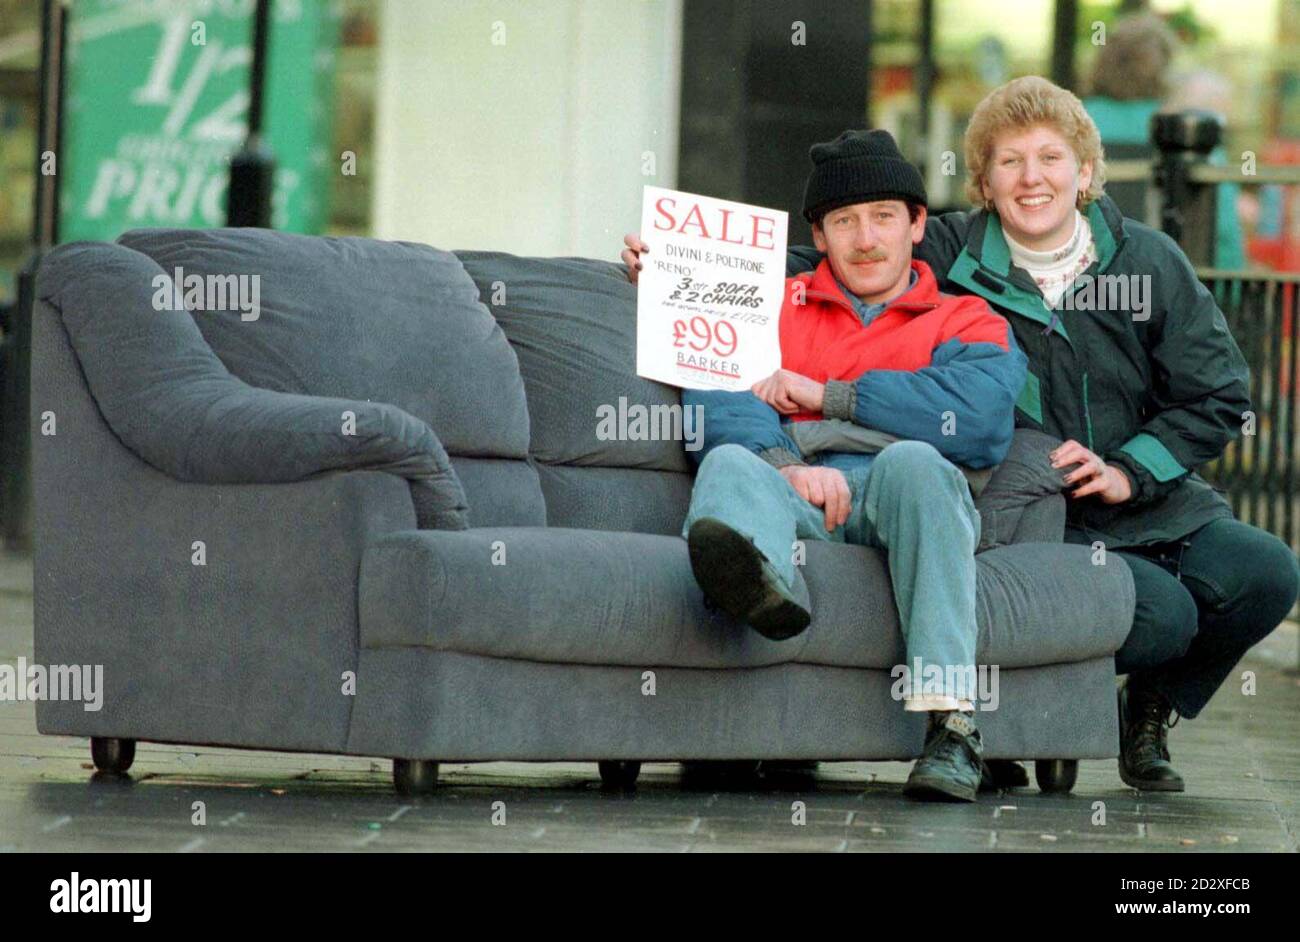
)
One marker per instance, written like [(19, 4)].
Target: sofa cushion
[(169, 399), (633, 499), (502, 492), (359, 318), (572, 322), (598, 597), (1022, 501)]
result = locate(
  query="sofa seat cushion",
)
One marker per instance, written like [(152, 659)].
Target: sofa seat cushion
[(612, 598)]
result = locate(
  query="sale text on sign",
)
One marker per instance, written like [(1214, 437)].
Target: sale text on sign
[(709, 303)]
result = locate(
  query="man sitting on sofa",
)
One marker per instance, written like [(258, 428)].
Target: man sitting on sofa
[(868, 346)]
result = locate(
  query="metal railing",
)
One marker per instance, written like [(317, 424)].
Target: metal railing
[(1133, 170), (1258, 471)]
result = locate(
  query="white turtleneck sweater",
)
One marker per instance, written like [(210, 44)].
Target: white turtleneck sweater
[(1055, 270)]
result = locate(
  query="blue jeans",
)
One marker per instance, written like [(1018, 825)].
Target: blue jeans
[(908, 500)]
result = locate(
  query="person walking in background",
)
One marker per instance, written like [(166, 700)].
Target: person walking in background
[(1130, 83)]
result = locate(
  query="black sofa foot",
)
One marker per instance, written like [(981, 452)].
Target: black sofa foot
[(620, 774), (112, 755), (415, 776), (1056, 776)]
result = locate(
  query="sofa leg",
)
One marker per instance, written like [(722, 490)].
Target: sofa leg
[(619, 774), (1056, 776), (112, 755), (414, 776)]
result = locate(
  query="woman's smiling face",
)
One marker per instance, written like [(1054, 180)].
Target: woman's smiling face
[(1033, 181)]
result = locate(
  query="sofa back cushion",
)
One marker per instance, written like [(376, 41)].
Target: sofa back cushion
[(632, 500), (572, 322), (391, 322)]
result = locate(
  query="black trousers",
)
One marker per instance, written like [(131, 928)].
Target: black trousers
[(1201, 604)]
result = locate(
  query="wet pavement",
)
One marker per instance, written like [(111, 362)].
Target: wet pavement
[(1241, 759)]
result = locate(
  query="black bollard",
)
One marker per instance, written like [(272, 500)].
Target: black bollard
[(1187, 209)]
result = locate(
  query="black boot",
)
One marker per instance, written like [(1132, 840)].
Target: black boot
[(1143, 740), (1003, 773), (736, 576), (950, 767)]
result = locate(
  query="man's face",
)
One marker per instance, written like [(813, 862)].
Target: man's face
[(869, 246)]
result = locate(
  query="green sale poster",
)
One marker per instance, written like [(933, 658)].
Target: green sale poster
[(156, 101)]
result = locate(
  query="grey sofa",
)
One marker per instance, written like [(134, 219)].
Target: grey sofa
[(468, 571)]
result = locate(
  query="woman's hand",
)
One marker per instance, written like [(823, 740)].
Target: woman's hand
[(1093, 475), (632, 255)]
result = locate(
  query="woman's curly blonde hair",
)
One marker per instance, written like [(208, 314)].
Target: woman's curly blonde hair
[(1025, 103)]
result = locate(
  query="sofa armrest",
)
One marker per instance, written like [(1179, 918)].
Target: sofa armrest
[(171, 400), (220, 613), (223, 614), (1022, 502)]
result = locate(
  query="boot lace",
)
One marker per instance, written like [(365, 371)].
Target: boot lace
[(953, 748), (1152, 726)]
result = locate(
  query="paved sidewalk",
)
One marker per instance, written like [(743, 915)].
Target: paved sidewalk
[(1241, 759)]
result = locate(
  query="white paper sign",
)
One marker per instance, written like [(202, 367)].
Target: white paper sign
[(710, 292)]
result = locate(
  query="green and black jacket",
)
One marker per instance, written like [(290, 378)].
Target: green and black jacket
[(1158, 387)]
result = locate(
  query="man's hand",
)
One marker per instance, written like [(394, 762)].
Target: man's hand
[(632, 255), (788, 392), (1107, 481), (821, 487)]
